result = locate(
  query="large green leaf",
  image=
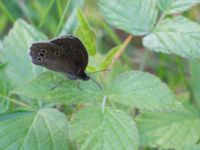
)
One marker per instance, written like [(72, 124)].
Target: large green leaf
[(190, 147), (130, 15), (170, 130), (106, 129), (142, 90), (43, 130), (178, 35), (47, 87), (16, 52), (85, 33), (176, 6)]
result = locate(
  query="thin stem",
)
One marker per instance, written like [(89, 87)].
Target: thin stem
[(121, 50), (62, 18), (104, 103), (46, 13), (18, 102), (6, 11)]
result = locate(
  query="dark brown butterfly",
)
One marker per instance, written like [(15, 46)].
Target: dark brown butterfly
[(66, 54)]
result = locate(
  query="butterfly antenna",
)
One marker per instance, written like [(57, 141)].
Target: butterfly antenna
[(99, 71), (97, 83)]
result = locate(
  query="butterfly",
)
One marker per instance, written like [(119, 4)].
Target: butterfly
[(65, 54)]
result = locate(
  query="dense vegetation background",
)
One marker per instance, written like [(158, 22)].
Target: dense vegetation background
[(150, 97)]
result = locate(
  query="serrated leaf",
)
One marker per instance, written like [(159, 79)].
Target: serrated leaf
[(85, 33), (109, 57), (143, 90), (130, 16), (16, 52), (112, 129), (57, 88), (176, 6), (178, 35), (169, 130), (45, 129)]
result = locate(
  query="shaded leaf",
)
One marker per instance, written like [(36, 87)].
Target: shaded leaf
[(85, 33), (47, 87), (130, 16), (111, 129), (45, 129), (169, 130), (178, 35)]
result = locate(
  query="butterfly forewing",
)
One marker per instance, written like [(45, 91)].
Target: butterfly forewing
[(74, 48), (52, 57)]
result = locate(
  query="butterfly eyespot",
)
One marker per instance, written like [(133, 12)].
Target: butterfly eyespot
[(43, 51), (39, 59), (56, 53), (41, 55), (73, 48)]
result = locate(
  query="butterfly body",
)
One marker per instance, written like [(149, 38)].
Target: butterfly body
[(66, 54)]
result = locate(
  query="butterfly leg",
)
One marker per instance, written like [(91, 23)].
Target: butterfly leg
[(78, 84)]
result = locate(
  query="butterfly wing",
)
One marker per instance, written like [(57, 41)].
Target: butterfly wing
[(52, 57), (74, 48)]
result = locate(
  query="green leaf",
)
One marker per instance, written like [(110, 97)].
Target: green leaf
[(177, 35), (190, 147), (46, 87), (16, 52), (176, 6), (109, 57), (4, 89), (143, 90), (195, 82), (130, 16), (85, 33), (111, 129), (169, 130), (46, 129)]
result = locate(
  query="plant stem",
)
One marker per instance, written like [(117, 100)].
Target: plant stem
[(121, 50), (62, 18)]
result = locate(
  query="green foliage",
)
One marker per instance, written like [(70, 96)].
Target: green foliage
[(40, 109), (97, 128), (175, 6), (44, 129), (130, 16), (85, 33), (170, 130), (172, 36)]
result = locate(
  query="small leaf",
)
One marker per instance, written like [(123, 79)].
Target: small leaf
[(176, 6), (169, 130), (109, 57), (143, 90), (16, 53), (85, 33), (45, 129), (57, 88), (112, 129), (177, 35), (130, 16)]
